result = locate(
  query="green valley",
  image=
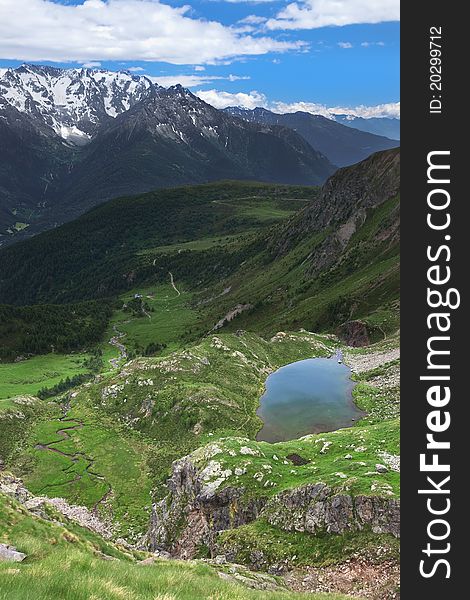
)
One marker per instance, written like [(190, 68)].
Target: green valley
[(136, 345)]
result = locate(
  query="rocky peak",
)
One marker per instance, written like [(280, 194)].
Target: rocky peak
[(73, 103), (345, 199)]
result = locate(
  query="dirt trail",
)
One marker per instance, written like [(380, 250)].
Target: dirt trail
[(172, 281)]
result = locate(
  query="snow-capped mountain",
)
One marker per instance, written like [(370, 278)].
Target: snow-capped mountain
[(72, 102), (72, 139)]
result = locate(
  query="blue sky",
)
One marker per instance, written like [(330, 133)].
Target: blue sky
[(334, 53)]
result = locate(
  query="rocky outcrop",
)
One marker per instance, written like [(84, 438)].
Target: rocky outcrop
[(193, 512), (13, 487), (317, 507), (341, 209), (354, 333)]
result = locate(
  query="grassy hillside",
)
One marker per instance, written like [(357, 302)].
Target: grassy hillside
[(123, 432), (213, 288), (267, 470), (71, 563), (291, 256), (30, 376), (99, 254)]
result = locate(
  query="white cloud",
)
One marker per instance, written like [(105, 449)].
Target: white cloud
[(135, 69), (238, 77), (43, 30), (345, 44), (93, 64), (250, 100), (253, 20), (220, 99), (390, 109), (368, 44), (312, 14), (191, 81), (310, 107), (199, 68)]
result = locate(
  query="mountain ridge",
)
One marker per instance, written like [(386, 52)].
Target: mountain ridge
[(337, 257), (158, 138), (344, 145)]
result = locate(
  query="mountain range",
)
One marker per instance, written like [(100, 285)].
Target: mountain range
[(385, 126), (342, 145), (73, 138)]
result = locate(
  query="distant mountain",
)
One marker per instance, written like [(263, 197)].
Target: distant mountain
[(74, 103), (384, 126), (72, 139), (342, 145), (173, 137)]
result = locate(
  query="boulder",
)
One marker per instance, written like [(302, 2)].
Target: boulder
[(10, 553)]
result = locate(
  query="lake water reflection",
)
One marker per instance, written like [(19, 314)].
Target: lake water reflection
[(308, 396)]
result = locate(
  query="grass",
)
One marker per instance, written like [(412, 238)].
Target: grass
[(205, 390), (71, 563), (268, 470), (130, 432), (29, 376), (260, 209), (362, 284), (271, 545), (380, 403), (134, 423), (204, 243), (101, 465), (171, 317)]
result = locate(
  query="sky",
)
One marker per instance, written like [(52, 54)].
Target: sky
[(317, 55)]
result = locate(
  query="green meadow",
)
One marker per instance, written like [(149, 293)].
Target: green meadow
[(29, 376)]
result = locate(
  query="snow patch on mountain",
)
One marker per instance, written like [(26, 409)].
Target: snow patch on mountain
[(72, 102)]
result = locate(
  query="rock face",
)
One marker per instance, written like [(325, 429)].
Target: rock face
[(345, 200), (193, 513), (316, 507), (354, 333)]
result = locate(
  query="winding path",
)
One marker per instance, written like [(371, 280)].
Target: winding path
[(172, 281), (75, 457)]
